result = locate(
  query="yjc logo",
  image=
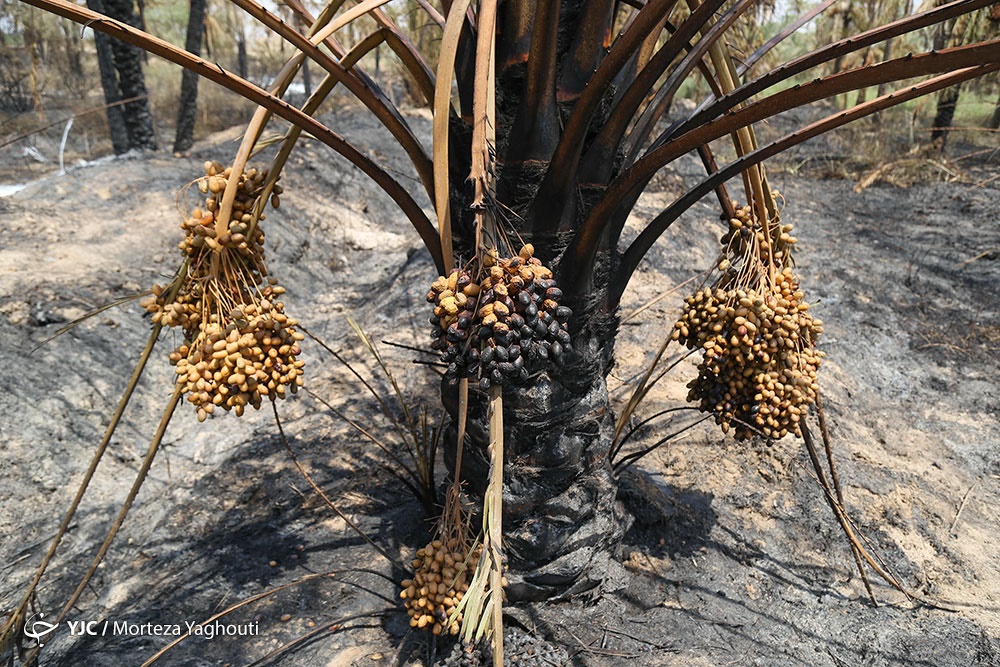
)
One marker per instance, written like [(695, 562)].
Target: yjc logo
[(37, 629)]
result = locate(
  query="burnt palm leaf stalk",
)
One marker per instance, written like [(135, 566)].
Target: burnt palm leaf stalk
[(580, 88)]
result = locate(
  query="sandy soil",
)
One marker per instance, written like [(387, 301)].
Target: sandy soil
[(734, 558)]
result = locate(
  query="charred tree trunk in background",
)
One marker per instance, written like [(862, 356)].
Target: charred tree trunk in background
[(948, 98), (131, 80), (241, 53), (947, 101), (109, 82), (995, 120), (187, 112), (306, 78)]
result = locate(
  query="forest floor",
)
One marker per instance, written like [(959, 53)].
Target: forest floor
[(734, 557)]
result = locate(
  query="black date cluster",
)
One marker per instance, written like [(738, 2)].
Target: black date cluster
[(503, 328)]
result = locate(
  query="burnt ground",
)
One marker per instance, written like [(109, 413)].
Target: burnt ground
[(734, 558)]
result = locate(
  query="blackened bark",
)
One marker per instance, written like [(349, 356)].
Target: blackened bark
[(947, 100), (241, 54), (307, 78), (109, 82), (131, 80), (187, 113), (995, 120), (562, 520), (563, 523)]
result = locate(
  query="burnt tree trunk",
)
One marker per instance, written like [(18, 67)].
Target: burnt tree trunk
[(187, 111), (995, 120), (947, 101), (948, 98), (241, 53), (562, 520), (306, 78), (109, 82), (131, 80)]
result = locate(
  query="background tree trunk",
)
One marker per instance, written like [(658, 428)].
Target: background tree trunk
[(947, 101), (886, 55), (995, 120), (109, 82), (241, 53), (863, 93), (843, 12), (948, 98), (131, 81), (306, 78), (74, 55), (187, 112)]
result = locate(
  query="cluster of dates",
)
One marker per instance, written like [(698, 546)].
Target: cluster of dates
[(756, 333), (502, 328), (239, 345), (442, 571)]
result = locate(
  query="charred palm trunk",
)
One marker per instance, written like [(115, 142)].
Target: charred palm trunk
[(947, 101), (109, 82), (995, 120), (187, 112), (131, 80), (562, 520)]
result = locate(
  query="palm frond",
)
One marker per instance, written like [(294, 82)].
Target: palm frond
[(598, 165), (555, 205), (442, 117), (311, 107), (783, 34), (820, 56)]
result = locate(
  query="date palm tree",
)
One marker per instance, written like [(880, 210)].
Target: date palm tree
[(549, 123)]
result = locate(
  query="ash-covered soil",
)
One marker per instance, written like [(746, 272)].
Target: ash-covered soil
[(734, 558)]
